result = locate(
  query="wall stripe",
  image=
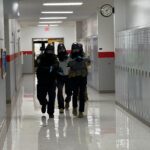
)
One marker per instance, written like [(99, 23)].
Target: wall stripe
[(12, 57), (27, 52), (68, 51), (106, 54)]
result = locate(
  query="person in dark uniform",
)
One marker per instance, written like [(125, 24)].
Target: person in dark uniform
[(42, 49), (63, 79), (46, 74), (78, 74)]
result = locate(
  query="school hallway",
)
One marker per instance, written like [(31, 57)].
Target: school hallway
[(105, 126)]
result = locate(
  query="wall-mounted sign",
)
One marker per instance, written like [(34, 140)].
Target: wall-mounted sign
[(3, 63)]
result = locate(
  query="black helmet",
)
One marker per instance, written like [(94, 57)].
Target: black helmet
[(49, 49), (62, 53), (76, 50), (61, 48), (75, 46), (81, 47)]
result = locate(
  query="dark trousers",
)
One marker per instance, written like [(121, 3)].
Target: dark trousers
[(42, 92), (79, 87), (61, 82)]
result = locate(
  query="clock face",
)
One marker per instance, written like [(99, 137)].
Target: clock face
[(106, 10)]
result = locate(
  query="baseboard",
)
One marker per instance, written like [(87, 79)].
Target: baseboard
[(101, 91), (31, 73), (107, 91), (134, 114)]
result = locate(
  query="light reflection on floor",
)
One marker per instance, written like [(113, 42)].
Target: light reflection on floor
[(104, 127)]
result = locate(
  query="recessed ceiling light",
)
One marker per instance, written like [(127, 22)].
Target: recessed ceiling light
[(63, 4), (43, 18), (57, 12), (48, 22)]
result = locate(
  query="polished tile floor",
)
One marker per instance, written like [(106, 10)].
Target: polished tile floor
[(104, 127)]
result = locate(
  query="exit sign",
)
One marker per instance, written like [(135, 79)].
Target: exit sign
[(47, 28)]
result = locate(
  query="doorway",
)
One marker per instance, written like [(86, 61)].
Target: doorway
[(37, 43)]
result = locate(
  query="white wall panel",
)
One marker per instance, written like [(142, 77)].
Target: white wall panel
[(106, 30), (2, 81), (98, 32), (90, 26), (14, 73)]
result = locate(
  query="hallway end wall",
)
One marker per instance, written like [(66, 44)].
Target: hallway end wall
[(64, 30)]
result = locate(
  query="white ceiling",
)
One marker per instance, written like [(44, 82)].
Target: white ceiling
[(30, 10)]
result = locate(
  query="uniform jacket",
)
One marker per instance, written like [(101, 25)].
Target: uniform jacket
[(47, 67)]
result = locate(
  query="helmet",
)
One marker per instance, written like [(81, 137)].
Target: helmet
[(81, 49), (61, 48), (75, 46), (80, 46), (49, 49), (76, 50), (62, 53)]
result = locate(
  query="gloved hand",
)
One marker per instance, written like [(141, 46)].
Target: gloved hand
[(51, 69)]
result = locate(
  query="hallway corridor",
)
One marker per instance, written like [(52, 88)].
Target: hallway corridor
[(105, 126)]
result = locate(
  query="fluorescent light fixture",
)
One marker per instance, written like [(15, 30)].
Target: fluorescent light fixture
[(57, 12), (43, 25), (46, 25), (54, 25), (43, 18), (49, 22), (18, 14), (15, 6), (63, 4)]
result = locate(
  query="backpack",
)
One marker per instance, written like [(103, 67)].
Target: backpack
[(78, 67)]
